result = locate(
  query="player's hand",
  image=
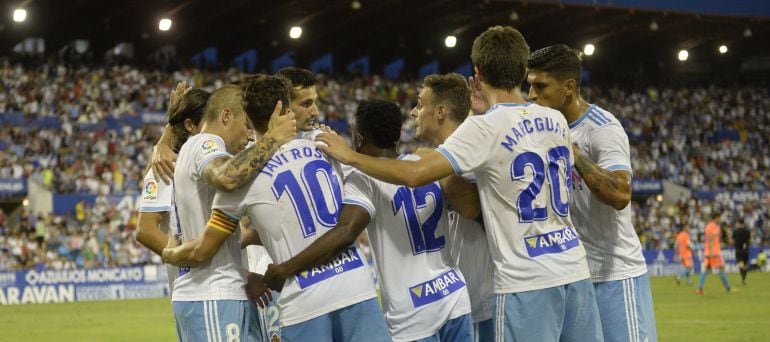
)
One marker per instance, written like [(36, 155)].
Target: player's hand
[(479, 105), (162, 162), (282, 128), (275, 277), (336, 147), (256, 290), (176, 98), (324, 128)]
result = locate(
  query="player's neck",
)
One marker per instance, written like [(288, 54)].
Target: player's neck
[(377, 152), (495, 96), (445, 131), (574, 108)]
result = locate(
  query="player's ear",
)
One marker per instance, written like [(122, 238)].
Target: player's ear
[(441, 112), (189, 126), (226, 116), (477, 75), (570, 86)]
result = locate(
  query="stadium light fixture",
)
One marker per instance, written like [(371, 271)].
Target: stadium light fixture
[(164, 24), (654, 26), (514, 16), (683, 55), (355, 5), (747, 32), (19, 15), (723, 49), (589, 49), (450, 41), (295, 32)]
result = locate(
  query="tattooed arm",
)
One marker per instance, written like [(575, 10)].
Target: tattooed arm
[(612, 188), (229, 174)]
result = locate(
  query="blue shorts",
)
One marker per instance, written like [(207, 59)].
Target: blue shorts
[(216, 320), (563, 313), (362, 321), (270, 319), (484, 330), (625, 307), (459, 329)]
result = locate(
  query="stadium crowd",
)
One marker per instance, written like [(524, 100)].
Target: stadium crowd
[(707, 139)]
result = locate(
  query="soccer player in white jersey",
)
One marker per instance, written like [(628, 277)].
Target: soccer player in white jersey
[(209, 299), (295, 199), (521, 156), (442, 105), (601, 192), (156, 224), (424, 298)]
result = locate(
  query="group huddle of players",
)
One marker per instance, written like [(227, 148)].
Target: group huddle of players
[(516, 227)]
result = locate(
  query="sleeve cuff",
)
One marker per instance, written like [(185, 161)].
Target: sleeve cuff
[(209, 158), (154, 209), (451, 159), (620, 167), (360, 204)]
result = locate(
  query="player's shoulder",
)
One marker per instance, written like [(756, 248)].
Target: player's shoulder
[(596, 118)]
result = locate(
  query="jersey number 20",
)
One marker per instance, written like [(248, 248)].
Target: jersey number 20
[(532, 160)]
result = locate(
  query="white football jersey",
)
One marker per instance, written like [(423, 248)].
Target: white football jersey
[(295, 199), (469, 248), (221, 278), (157, 197), (613, 249), (407, 233), (521, 155)]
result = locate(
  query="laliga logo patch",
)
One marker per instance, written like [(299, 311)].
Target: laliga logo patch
[(150, 193), (209, 146)]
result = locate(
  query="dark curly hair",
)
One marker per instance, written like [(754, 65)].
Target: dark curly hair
[(191, 106), (501, 54), (260, 93), (560, 61), (379, 122)]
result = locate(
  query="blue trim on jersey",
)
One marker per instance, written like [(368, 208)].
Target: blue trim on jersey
[(509, 105), (360, 204), (599, 113), (620, 167), (596, 119), (581, 118), (209, 158), (150, 209), (451, 159)]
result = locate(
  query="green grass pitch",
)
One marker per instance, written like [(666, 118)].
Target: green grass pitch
[(681, 315)]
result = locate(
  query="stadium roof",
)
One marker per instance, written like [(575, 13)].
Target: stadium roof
[(387, 29)]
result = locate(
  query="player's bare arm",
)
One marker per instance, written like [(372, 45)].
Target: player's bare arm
[(148, 232), (352, 221), (204, 247), (229, 174), (612, 188), (463, 196), (432, 166)]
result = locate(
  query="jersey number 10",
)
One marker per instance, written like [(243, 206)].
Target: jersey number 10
[(317, 188)]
